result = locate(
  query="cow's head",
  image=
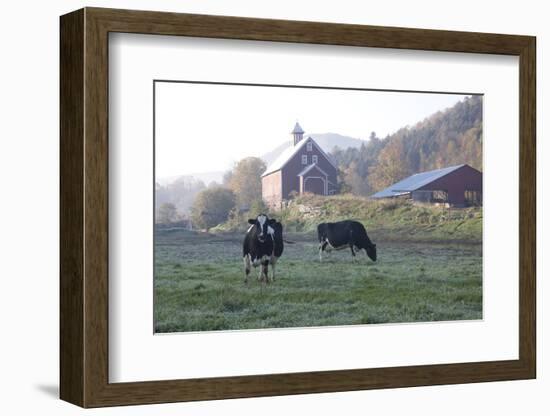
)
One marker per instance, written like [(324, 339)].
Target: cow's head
[(263, 226), (371, 251)]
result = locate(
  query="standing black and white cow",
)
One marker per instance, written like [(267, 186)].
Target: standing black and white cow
[(278, 246), (258, 246), (342, 234)]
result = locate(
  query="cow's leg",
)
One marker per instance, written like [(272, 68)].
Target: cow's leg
[(273, 261), (265, 270), (246, 260), (257, 263), (352, 251), (322, 247)]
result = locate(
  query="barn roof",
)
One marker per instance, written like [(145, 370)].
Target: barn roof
[(289, 153), (414, 182), (309, 167)]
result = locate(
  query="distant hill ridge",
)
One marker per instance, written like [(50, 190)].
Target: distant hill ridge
[(327, 141)]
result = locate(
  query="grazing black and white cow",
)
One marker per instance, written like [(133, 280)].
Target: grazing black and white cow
[(342, 234), (258, 246)]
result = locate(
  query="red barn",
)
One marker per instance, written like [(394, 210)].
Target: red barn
[(302, 167), (458, 186)]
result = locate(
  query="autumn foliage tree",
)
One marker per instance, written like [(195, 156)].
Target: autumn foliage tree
[(245, 180), (167, 213), (392, 166), (212, 206)]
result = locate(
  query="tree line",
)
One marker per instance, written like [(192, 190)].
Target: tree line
[(446, 138), (240, 192), (207, 206), (174, 201)]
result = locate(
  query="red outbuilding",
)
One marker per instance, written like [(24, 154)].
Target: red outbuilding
[(458, 186)]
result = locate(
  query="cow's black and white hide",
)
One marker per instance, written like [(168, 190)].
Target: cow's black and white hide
[(278, 246), (258, 246), (342, 234)]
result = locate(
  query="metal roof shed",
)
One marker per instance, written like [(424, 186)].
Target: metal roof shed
[(461, 185)]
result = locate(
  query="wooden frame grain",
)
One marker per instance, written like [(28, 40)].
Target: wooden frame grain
[(84, 207)]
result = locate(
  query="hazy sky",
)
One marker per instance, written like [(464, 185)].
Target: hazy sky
[(203, 128)]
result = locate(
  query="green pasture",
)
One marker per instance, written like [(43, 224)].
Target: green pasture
[(199, 281)]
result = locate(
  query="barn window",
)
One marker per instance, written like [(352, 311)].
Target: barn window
[(422, 196), (304, 159), (472, 198), (309, 146), (314, 159), (439, 196)]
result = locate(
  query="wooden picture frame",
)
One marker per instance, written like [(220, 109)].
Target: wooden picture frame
[(84, 207)]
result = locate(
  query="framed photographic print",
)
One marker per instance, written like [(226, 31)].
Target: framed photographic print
[(255, 207)]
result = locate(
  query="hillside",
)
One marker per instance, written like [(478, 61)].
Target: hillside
[(391, 220), (385, 220), (205, 177), (446, 138)]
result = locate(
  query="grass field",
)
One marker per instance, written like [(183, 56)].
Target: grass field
[(199, 281)]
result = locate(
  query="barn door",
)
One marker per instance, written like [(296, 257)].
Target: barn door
[(314, 185)]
